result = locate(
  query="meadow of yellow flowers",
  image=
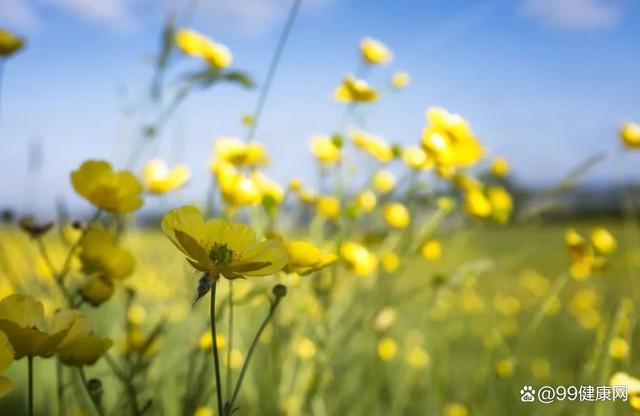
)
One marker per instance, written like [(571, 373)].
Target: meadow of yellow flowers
[(420, 293)]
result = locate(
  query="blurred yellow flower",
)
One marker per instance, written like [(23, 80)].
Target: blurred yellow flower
[(305, 348), (220, 247), (238, 153), (79, 347), (385, 319), (416, 158), (196, 44), (501, 203), (325, 150), (630, 135), (236, 188), (500, 167), (418, 358), (389, 261), (504, 368), (305, 258), (431, 250), (582, 258), (204, 411), (366, 201), (97, 289), (384, 181), (205, 342), (358, 258), (136, 315), (159, 179), (373, 145), (396, 215), (236, 359), (375, 52), (477, 204), (618, 348), (9, 43), (455, 409), (117, 192), (6, 358), (387, 349), (400, 79), (328, 207), (354, 90), (623, 379), (267, 187), (99, 254), (603, 241)]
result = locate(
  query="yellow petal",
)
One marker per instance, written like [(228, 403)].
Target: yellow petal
[(236, 236), (5, 386), (271, 251), (23, 310), (6, 352)]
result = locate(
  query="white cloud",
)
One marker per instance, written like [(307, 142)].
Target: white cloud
[(573, 14), (18, 15), (115, 13)]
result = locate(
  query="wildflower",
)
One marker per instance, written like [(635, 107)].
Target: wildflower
[(416, 158), (305, 348), (328, 207), (79, 347), (455, 409), (195, 44), (390, 261), (619, 348), (431, 250), (236, 188), (396, 215), (204, 411), (325, 150), (417, 358), (354, 90), (305, 258), (6, 358), (9, 43), (220, 247), (630, 135), (385, 319), (500, 167), (384, 181), (501, 203), (236, 359), (504, 368), (583, 260), (477, 204), (99, 254), (235, 152), (159, 179), (366, 201), (267, 187), (373, 145), (206, 341), (445, 203), (400, 79), (116, 192), (358, 258), (387, 349), (97, 289), (136, 315), (603, 241), (374, 52)]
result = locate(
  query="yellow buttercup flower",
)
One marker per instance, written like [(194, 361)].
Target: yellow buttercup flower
[(204, 411), (196, 44), (385, 319), (455, 409), (97, 289), (6, 358), (234, 151), (9, 43), (501, 203), (305, 348), (375, 52), (603, 241), (267, 187), (373, 145), (477, 204), (583, 260), (236, 188), (159, 179), (396, 215), (79, 347), (624, 379), (431, 250), (206, 341), (325, 150), (400, 79), (387, 349), (305, 258), (619, 348), (220, 247), (500, 167), (99, 254), (389, 261), (504, 368), (366, 201), (328, 207), (358, 258), (418, 358), (117, 192), (630, 135), (354, 90), (416, 158), (384, 181)]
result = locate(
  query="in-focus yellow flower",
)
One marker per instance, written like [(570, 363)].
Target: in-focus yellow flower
[(354, 90), (501, 203), (6, 358), (477, 204), (619, 348), (328, 207), (396, 215), (99, 254), (384, 181), (366, 201), (305, 258), (389, 261), (387, 349), (500, 167), (220, 247), (400, 79), (431, 250), (630, 135), (238, 153), (418, 358), (449, 140), (373, 145), (325, 150), (358, 258), (455, 409), (117, 192), (603, 241), (9, 43), (305, 348), (79, 347), (416, 158), (196, 44), (375, 52), (159, 179)]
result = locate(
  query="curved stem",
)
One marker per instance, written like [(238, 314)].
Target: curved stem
[(271, 72), (216, 360), (30, 372)]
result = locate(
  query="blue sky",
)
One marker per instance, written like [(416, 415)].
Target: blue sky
[(544, 82)]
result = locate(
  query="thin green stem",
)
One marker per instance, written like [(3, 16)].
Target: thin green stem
[(230, 340), (214, 333), (85, 383), (273, 66), (30, 372), (60, 388)]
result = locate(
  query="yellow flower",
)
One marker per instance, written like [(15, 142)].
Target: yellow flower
[(385, 319), (22, 320), (624, 379), (384, 181), (328, 207), (159, 179), (418, 358), (236, 359), (455, 409), (204, 411), (305, 258), (79, 347), (504, 368), (235, 187), (136, 315), (630, 135), (366, 201), (206, 341), (6, 358), (375, 52), (220, 247), (476, 204), (99, 254), (390, 261), (267, 187), (195, 44), (431, 250), (387, 349), (117, 192), (373, 145), (234, 151), (619, 348), (500, 167), (325, 150), (396, 215), (400, 79), (449, 140), (305, 348), (416, 158), (501, 203), (358, 258), (582, 257), (603, 241), (354, 90), (9, 43), (97, 289)]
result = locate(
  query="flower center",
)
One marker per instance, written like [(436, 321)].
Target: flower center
[(221, 254)]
